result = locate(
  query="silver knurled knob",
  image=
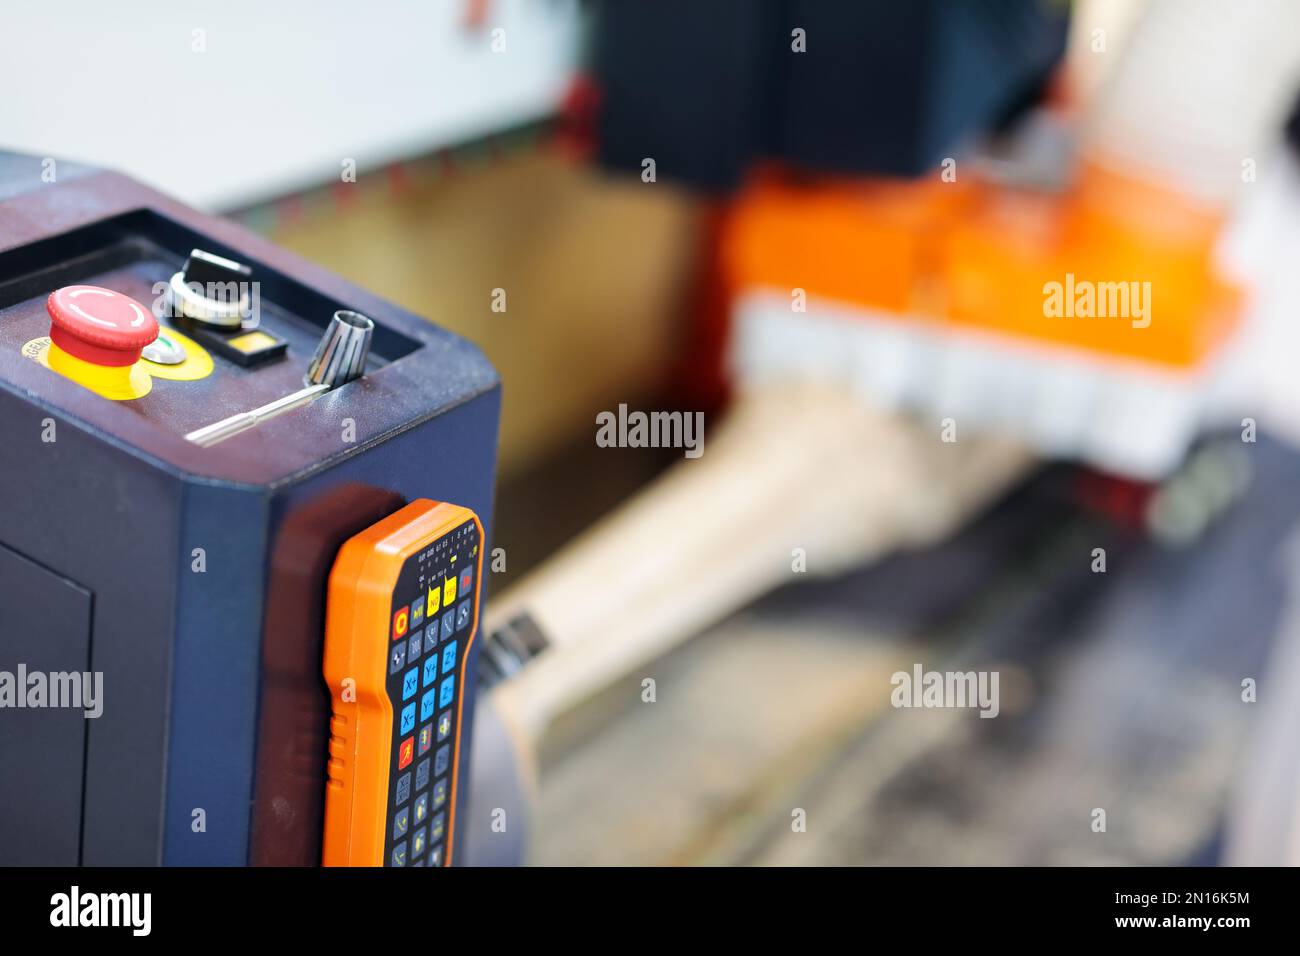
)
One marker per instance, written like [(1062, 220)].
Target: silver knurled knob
[(341, 355)]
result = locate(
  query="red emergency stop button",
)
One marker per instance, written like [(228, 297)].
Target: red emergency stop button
[(99, 326)]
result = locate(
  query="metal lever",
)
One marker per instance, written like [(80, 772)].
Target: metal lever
[(339, 358)]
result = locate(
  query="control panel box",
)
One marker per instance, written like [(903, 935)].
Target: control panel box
[(184, 474)]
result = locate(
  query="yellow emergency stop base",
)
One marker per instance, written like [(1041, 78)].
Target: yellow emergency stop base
[(126, 382)]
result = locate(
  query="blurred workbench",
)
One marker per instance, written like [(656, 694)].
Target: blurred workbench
[(1119, 690)]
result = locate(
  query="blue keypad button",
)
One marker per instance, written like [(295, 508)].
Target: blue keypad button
[(441, 760), (410, 682), (444, 726), (448, 658), (439, 796), (397, 659), (430, 670), (463, 614), (402, 821), (403, 788), (446, 691), (399, 854), (422, 774), (448, 624), (408, 719), (414, 643), (428, 703)]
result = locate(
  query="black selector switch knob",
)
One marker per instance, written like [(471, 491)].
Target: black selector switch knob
[(215, 300), (215, 291), (205, 268)]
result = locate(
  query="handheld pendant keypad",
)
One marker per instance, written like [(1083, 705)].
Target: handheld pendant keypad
[(400, 619)]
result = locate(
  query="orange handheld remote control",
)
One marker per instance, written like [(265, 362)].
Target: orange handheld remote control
[(400, 618)]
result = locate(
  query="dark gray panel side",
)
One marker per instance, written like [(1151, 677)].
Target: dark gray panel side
[(44, 630), (88, 510)]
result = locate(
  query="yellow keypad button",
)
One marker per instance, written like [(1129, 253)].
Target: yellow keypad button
[(431, 605), (449, 590)]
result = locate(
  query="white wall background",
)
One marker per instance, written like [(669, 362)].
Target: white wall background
[(283, 92)]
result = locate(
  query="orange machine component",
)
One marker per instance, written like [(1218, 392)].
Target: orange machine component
[(868, 242), (1118, 266), (401, 616), (989, 258)]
